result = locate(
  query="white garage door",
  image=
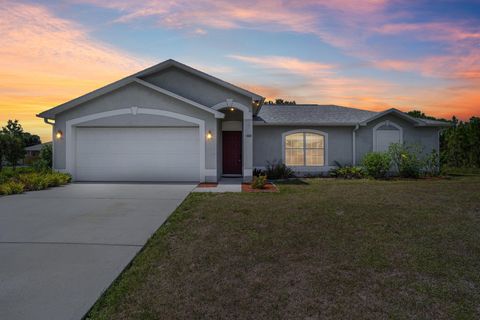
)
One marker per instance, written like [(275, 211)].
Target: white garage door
[(137, 154)]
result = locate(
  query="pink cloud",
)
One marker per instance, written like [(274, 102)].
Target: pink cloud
[(45, 60)]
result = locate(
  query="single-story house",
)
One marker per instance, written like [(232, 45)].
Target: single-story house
[(34, 151), (171, 122)]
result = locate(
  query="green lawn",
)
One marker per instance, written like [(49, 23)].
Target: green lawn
[(319, 249)]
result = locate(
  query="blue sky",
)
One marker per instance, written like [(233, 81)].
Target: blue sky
[(373, 55)]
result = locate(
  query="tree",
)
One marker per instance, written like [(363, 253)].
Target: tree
[(13, 127), (460, 143), (422, 115), (46, 154), (31, 139), (3, 148), (280, 102), (14, 149)]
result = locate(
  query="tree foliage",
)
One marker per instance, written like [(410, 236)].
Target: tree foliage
[(280, 102), (13, 140), (460, 143), (14, 128)]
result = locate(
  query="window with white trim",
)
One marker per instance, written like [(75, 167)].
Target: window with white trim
[(304, 149)]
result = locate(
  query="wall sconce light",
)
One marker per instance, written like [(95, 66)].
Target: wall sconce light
[(209, 135), (59, 134), (232, 109)]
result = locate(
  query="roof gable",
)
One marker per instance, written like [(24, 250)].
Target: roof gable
[(415, 121), (50, 114), (172, 63), (136, 78)]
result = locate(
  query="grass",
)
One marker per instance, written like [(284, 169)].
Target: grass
[(319, 249)]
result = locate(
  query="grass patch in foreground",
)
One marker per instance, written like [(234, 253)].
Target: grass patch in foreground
[(330, 249)]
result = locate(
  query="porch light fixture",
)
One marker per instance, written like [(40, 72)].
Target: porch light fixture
[(232, 109), (59, 134), (209, 135)]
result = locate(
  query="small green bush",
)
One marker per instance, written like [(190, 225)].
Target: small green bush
[(348, 173), (259, 182), (11, 187), (406, 160), (33, 181), (46, 154), (377, 164), (278, 170), (41, 165), (432, 164), (5, 189)]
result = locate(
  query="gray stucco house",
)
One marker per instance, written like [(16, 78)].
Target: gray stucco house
[(172, 122)]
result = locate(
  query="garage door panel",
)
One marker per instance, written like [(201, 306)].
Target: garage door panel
[(137, 154)]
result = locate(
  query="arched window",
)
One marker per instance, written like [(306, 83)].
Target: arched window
[(304, 148)]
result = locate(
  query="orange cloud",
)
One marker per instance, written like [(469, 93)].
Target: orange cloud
[(45, 60), (290, 64), (367, 93)]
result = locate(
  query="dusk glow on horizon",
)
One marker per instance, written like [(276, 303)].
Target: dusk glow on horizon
[(373, 54)]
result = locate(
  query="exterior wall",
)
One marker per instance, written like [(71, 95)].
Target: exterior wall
[(195, 88), (135, 95), (427, 137), (267, 144)]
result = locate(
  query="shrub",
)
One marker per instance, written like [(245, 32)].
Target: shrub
[(41, 165), (432, 164), (377, 164), (258, 172), (278, 170), (348, 173), (259, 182), (33, 181), (46, 154), (11, 187), (406, 160)]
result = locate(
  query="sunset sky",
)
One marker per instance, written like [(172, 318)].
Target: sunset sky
[(374, 55)]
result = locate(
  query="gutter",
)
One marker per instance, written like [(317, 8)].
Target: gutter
[(354, 147), (47, 122)]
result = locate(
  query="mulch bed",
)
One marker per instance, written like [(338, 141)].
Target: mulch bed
[(207, 185), (269, 187)]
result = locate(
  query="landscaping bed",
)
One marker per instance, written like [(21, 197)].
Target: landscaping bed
[(27, 179), (268, 187), (317, 249)]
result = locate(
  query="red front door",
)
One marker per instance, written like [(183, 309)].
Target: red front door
[(232, 152)]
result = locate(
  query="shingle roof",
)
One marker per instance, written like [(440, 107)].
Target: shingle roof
[(312, 114), (37, 147)]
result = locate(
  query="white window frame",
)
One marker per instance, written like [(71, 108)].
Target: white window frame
[(387, 123), (325, 147)]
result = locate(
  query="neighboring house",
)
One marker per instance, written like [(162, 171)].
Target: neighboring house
[(171, 122), (34, 151)]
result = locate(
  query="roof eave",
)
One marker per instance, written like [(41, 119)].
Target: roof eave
[(323, 124), (50, 114), (415, 121)]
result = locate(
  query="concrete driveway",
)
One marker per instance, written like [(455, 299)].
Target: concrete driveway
[(61, 248)]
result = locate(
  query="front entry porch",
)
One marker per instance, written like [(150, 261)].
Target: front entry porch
[(235, 145)]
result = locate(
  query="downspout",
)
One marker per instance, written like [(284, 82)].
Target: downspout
[(354, 147)]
